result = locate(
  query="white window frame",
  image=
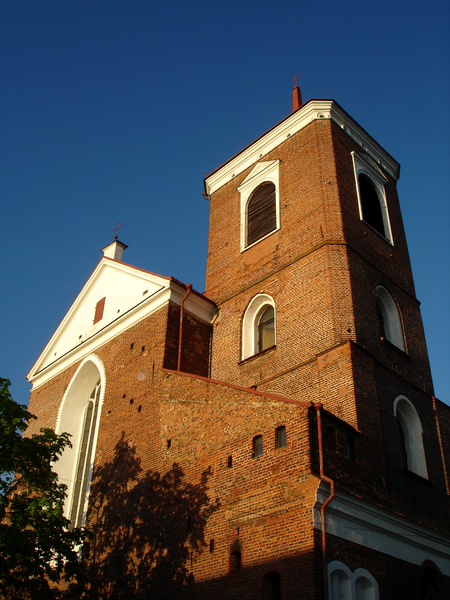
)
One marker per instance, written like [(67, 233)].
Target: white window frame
[(265, 171), (406, 413), (250, 323), (70, 419), (364, 164), (392, 321)]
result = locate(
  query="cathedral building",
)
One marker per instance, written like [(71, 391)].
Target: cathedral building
[(276, 437)]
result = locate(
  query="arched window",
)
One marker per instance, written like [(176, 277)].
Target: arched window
[(79, 415), (261, 213), (412, 454), (431, 584), (258, 326), (389, 322), (370, 182), (259, 203), (271, 586), (266, 329), (85, 458)]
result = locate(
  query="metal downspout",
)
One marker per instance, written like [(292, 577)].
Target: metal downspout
[(180, 337), (330, 481)]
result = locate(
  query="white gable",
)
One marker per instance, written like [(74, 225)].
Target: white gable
[(130, 294)]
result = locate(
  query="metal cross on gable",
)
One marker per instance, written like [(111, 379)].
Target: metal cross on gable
[(116, 229), (294, 81)]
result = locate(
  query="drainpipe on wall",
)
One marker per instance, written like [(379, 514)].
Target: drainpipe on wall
[(330, 481), (180, 338)]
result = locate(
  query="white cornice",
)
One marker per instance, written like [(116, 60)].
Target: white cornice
[(361, 522), (311, 111)]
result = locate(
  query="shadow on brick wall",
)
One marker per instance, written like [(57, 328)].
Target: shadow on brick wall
[(145, 526)]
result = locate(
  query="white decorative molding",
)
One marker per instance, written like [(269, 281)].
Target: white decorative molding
[(250, 322), (353, 519), (311, 111), (71, 416)]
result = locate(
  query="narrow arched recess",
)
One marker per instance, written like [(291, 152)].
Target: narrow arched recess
[(389, 320), (258, 326), (79, 415), (410, 437)]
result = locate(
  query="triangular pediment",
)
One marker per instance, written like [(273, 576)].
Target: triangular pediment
[(124, 289), (265, 165)]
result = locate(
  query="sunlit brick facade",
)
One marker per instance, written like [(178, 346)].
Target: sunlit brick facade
[(276, 437)]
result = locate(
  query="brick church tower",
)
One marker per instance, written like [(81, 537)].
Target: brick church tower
[(276, 437)]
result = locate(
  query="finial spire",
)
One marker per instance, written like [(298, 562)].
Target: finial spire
[(297, 101), (116, 229)]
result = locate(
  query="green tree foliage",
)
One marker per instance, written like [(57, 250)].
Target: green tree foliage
[(37, 548)]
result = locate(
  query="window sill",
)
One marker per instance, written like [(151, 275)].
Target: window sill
[(417, 477), (396, 348), (383, 237), (250, 358), (245, 248)]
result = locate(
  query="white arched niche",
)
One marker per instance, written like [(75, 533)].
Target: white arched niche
[(345, 585), (87, 383), (366, 587), (410, 435), (392, 324), (250, 322), (339, 581)]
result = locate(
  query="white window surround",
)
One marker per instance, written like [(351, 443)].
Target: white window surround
[(250, 323), (392, 322), (412, 430), (70, 419), (345, 585), (261, 172), (364, 164)]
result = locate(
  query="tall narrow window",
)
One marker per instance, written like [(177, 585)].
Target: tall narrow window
[(261, 213), (257, 446), (280, 437), (85, 458), (412, 453), (389, 322), (266, 329), (235, 561), (402, 444)]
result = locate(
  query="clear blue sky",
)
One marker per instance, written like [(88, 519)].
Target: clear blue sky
[(115, 110)]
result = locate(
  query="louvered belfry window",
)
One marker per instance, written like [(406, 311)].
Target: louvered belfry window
[(261, 213)]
